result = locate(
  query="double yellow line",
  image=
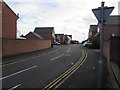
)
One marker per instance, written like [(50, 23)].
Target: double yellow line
[(55, 82)]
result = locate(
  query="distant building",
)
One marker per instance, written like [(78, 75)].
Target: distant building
[(92, 32), (46, 32), (67, 39), (60, 38), (93, 36), (70, 36)]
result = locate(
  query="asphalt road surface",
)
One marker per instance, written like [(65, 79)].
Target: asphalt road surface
[(37, 71)]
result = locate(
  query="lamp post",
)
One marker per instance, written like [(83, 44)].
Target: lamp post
[(101, 13)]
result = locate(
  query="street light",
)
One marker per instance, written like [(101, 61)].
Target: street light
[(84, 35), (102, 13)]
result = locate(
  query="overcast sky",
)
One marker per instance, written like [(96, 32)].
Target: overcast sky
[(67, 16)]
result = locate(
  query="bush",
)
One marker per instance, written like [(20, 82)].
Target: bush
[(89, 45)]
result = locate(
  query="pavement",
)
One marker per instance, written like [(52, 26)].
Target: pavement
[(86, 75)]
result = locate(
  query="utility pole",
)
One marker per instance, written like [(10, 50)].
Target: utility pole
[(102, 13)]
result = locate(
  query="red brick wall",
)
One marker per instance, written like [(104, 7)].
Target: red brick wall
[(112, 49), (110, 29), (115, 50), (9, 20), (0, 19), (11, 47), (107, 49)]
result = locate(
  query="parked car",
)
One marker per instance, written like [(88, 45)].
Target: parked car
[(55, 43), (87, 44)]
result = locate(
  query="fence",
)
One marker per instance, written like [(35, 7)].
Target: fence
[(17, 46)]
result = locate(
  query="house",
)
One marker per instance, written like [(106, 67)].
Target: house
[(67, 39), (111, 27), (60, 38), (111, 46), (111, 30), (70, 36), (111, 34), (92, 32), (8, 22), (46, 32), (111, 38), (93, 36), (10, 44), (33, 35)]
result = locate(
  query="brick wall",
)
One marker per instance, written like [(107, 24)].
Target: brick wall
[(112, 49), (11, 46), (115, 50), (108, 31), (107, 49), (0, 19)]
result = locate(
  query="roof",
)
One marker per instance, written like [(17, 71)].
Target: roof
[(39, 36), (114, 20), (43, 30), (93, 28), (70, 36), (60, 35), (4, 3)]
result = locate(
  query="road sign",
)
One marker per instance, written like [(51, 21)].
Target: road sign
[(106, 13)]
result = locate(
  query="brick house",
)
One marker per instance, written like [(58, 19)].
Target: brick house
[(111, 30), (46, 32), (93, 36), (67, 39), (111, 48), (9, 24), (60, 38), (92, 32), (10, 44), (33, 35)]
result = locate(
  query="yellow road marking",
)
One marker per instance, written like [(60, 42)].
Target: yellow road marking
[(63, 73), (30, 58), (57, 80)]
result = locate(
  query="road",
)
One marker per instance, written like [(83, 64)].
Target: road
[(39, 70)]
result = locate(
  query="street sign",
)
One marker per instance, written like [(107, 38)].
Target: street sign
[(97, 13), (106, 13)]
